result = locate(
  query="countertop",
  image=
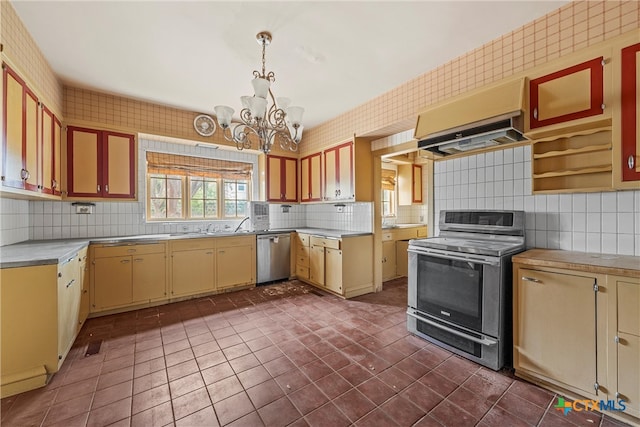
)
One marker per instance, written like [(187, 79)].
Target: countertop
[(394, 226), (621, 265), (45, 252)]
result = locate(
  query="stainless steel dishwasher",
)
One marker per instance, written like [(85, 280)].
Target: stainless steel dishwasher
[(273, 257)]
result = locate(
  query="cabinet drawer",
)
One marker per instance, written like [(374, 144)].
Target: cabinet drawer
[(302, 260), (302, 272), (406, 233), (387, 236), (325, 242), (302, 250), (189, 244), (303, 239), (629, 308), (123, 250), (227, 242), (422, 232)]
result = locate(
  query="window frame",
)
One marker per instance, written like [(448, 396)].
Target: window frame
[(392, 203)]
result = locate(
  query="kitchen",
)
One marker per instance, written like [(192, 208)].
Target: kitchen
[(549, 216)]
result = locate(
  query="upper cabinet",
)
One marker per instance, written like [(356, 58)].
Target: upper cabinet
[(311, 178), (20, 133), (100, 164), (348, 171), (409, 184), (282, 179), (30, 140), (630, 115), (568, 94)]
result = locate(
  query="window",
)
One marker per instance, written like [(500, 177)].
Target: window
[(388, 193), (192, 188)]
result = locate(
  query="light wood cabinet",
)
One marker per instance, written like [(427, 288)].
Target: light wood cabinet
[(192, 267), (402, 258), (44, 301), (311, 178), (49, 179), (85, 297), (282, 179), (626, 342), (348, 171), (100, 164), (555, 328), (21, 166), (568, 94), (303, 255), (235, 262), (409, 184), (388, 260), (342, 266), (126, 275)]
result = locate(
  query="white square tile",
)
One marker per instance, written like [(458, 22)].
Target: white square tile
[(625, 223), (553, 239), (609, 243), (579, 242), (594, 202), (566, 203), (508, 155), (518, 154), (625, 244), (579, 220), (593, 242), (566, 240), (609, 222), (625, 201), (579, 202), (594, 222), (609, 202)]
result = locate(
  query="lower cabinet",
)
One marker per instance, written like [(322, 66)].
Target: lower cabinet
[(402, 258), (342, 266), (235, 262), (555, 335), (626, 342), (576, 329), (85, 300), (388, 260), (45, 302), (125, 275), (192, 267)]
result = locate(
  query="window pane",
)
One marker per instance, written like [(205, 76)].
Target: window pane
[(229, 208), (243, 191), (174, 208), (174, 188), (197, 208), (196, 189), (158, 187), (158, 208), (211, 209), (229, 190), (211, 190), (243, 208)]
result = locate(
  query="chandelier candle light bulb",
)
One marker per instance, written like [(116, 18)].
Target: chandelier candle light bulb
[(262, 122)]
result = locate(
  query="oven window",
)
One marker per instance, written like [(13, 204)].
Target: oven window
[(450, 290)]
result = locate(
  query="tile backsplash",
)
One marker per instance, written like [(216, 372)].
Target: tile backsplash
[(14, 221), (603, 222)]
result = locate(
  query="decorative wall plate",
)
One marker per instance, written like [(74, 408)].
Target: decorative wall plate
[(204, 125)]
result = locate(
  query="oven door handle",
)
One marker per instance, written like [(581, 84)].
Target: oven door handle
[(456, 257), (483, 341)]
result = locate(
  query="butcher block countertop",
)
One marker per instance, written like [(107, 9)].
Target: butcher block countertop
[(621, 265)]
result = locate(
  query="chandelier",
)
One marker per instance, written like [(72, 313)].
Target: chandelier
[(263, 123)]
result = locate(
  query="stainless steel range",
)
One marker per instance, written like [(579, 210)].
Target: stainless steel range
[(460, 284)]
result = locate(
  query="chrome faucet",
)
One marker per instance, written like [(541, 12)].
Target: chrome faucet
[(209, 226), (240, 225)]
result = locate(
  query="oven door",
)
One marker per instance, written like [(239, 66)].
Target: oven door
[(457, 288)]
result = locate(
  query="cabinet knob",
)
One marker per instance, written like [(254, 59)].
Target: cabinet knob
[(535, 113), (631, 161), (106, 188), (531, 279), (54, 183), (98, 188), (24, 174)]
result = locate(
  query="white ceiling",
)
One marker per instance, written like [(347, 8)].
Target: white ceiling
[(328, 56)]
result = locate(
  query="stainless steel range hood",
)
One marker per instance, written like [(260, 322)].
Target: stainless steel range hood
[(482, 118)]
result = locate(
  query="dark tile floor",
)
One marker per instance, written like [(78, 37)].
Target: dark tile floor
[(277, 355)]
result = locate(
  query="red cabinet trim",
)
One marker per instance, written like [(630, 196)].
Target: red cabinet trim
[(58, 190), (628, 108), (27, 92), (6, 71), (337, 165), (597, 93)]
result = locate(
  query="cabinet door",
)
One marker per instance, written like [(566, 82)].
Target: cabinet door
[(345, 172), (231, 266), (402, 258), (84, 170), (282, 179), (630, 112), (118, 157), (69, 291), (388, 260), (149, 277), (311, 178), (57, 157), (555, 335), (416, 184), (192, 272), (112, 282), (47, 133), (13, 132), (85, 301), (333, 267), (569, 94), (316, 265), (331, 180), (629, 372), (31, 150)]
